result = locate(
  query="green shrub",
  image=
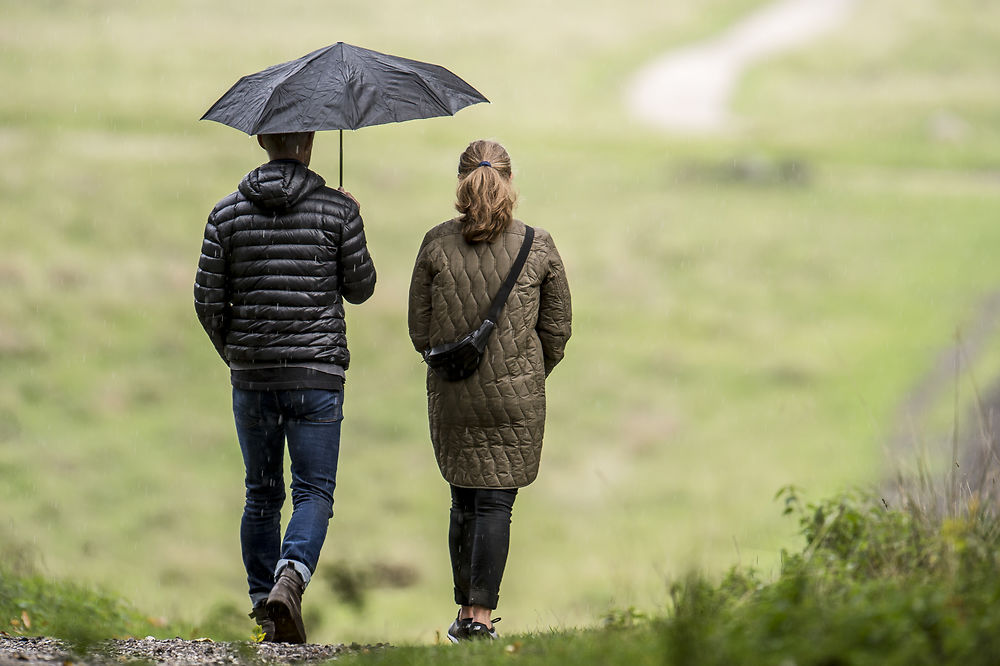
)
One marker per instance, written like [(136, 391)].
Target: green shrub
[(873, 585)]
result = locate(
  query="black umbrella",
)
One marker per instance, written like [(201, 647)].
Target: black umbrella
[(341, 87)]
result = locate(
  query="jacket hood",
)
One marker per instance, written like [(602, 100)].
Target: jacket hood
[(280, 184)]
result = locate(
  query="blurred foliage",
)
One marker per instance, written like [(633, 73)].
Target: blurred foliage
[(35, 603), (225, 621), (32, 604), (873, 585), (352, 582)]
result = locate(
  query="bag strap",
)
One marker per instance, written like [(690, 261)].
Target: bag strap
[(515, 271)]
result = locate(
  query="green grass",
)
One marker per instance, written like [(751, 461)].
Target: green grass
[(619, 646), (33, 605), (870, 584), (83, 616), (731, 336)]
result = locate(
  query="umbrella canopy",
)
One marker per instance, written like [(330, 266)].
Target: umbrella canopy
[(341, 87)]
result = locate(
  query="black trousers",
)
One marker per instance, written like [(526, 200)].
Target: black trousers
[(478, 537)]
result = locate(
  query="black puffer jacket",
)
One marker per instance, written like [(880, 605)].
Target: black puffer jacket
[(279, 256)]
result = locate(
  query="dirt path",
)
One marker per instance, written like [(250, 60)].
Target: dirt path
[(24, 651), (688, 90), (978, 435)]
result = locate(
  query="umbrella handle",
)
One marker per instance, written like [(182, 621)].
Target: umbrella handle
[(341, 158)]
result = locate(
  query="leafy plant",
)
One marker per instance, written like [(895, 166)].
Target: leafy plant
[(627, 618), (872, 584)]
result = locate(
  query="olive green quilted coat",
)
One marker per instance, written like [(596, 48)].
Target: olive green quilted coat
[(487, 429)]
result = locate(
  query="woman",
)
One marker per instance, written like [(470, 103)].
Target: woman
[(487, 429)]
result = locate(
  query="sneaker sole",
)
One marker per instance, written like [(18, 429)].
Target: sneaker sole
[(462, 638)]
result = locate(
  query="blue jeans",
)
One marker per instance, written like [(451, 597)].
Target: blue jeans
[(309, 419)]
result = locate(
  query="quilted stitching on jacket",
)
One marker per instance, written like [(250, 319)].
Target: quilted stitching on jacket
[(279, 257), (487, 430)]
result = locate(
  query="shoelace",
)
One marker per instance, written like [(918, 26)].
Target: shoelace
[(469, 620), (476, 627)]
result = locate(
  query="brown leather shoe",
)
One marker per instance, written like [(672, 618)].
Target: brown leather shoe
[(284, 606), (266, 624)]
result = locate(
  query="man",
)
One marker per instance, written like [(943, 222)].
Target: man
[(280, 256)]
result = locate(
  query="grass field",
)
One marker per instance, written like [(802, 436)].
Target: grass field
[(733, 333)]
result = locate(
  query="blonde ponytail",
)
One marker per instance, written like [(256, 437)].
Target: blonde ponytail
[(485, 195)]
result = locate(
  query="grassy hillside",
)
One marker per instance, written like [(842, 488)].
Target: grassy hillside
[(735, 329)]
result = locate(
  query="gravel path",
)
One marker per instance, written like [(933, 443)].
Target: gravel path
[(688, 89), (22, 651)]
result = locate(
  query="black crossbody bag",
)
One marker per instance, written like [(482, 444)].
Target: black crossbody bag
[(455, 361)]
